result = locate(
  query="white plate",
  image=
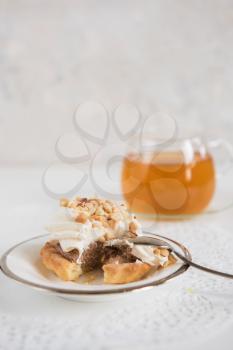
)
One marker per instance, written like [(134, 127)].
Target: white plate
[(22, 263)]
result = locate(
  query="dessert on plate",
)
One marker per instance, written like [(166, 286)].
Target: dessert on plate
[(95, 235)]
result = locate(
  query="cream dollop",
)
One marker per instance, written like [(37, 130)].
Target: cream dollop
[(80, 240), (74, 235), (147, 255)]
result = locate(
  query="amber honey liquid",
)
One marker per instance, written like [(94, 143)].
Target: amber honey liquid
[(167, 184)]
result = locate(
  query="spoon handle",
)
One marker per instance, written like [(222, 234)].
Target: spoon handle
[(149, 240), (200, 267)]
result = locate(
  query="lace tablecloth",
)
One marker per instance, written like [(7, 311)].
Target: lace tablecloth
[(189, 310)]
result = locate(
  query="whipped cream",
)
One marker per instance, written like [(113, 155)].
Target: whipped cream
[(146, 254), (77, 235), (80, 239), (118, 242)]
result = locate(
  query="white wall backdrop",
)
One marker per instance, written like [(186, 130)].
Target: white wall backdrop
[(171, 55)]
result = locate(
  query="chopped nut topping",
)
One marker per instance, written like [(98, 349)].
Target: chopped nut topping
[(107, 212)]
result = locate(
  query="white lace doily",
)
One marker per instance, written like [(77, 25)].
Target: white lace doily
[(188, 309)]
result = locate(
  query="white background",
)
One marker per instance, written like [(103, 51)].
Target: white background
[(175, 56)]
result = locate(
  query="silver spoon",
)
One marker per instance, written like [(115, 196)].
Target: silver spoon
[(148, 240)]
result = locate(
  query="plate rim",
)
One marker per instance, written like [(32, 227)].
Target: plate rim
[(63, 291)]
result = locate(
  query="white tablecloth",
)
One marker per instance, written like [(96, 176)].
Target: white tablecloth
[(193, 311)]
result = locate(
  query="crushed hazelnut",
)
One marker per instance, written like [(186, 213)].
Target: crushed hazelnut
[(133, 227), (107, 207), (82, 218), (164, 252), (64, 202), (171, 259), (99, 211)]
